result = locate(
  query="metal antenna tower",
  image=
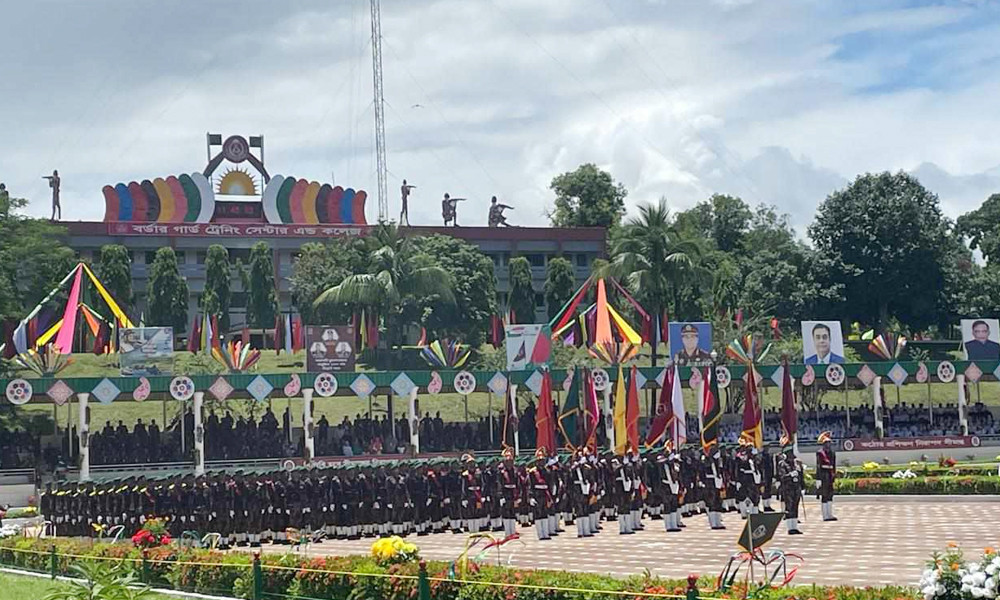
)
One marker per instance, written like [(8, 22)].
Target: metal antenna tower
[(383, 198)]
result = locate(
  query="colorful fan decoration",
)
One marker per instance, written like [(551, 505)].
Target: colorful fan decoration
[(236, 356), (888, 346), (748, 350), (44, 362), (445, 354)]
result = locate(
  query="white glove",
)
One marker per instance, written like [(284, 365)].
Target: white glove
[(532, 502), (376, 506), (503, 501), (465, 503)]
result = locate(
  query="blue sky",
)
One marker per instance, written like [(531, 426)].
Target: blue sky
[(778, 101)]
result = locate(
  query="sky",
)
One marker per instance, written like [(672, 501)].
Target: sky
[(777, 101)]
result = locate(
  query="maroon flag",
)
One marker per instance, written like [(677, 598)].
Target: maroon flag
[(789, 417), (545, 417), (663, 412)]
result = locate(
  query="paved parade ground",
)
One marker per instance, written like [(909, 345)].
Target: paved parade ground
[(875, 542)]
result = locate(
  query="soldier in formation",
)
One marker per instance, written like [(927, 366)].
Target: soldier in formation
[(378, 498)]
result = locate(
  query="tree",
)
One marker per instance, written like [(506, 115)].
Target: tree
[(723, 219), (319, 267), (167, 300), (115, 271), (587, 197), (888, 241), (467, 318), (33, 260), (398, 278), (521, 298), (982, 226), (656, 263), (560, 283), (218, 273), (262, 301)]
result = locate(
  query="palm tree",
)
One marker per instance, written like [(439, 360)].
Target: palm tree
[(654, 261), (398, 276)]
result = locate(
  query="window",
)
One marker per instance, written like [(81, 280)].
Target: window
[(582, 260), (536, 260), (180, 256), (540, 300), (200, 256), (150, 256), (238, 300)]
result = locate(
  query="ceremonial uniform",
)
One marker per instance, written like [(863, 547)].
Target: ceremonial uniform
[(508, 492), (540, 498), (714, 484), (791, 485), (826, 472)]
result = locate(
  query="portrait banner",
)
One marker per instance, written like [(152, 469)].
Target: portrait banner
[(981, 339), (146, 351), (330, 348), (691, 344), (822, 343)]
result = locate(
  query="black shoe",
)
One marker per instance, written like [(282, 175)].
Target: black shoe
[(831, 519), (672, 530), (657, 517), (768, 509), (682, 525), (720, 527), (795, 532)]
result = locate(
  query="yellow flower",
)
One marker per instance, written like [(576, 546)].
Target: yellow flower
[(989, 550), (952, 545)]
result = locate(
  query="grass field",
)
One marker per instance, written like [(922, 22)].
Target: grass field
[(19, 587)]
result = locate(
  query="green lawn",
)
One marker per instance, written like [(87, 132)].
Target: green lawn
[(18, 587)]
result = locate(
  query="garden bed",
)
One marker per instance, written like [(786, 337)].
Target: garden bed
[(949, 484)]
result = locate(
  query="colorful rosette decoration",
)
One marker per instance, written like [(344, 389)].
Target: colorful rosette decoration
[(888, 346), (748, 350), (236, 356), (445, 354)]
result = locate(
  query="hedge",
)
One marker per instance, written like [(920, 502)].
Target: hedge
[(343, 578), (950, 484), (925, 469)]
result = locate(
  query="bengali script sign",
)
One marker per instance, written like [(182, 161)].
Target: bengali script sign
[(233, 230), (915, 443)]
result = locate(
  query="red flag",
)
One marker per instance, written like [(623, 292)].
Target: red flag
[(544, 421), (216, 334), (245, 335), (751, 409), (789, 416), (739, 318), (775, 328), (591, 409), (665, 327), (372, 331), (297, 333), (632, 410), (423, 337), (279, 334), (663, 412), (194, 338)]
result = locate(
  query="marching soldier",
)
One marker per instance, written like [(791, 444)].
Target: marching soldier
[(748, 477), (540, 499), (581, 489), (714, 484), (669, 480), (766, 466), (509, 492), (791, 481), (826, 472)]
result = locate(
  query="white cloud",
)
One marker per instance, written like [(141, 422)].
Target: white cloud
[(779, 102)]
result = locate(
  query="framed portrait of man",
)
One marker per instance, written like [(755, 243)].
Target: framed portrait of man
[(822, 342), (691, 343), (981, 339)]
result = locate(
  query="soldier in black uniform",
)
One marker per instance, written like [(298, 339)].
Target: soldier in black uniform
[(749, 478), (508, 492), (766, 466), (714, 484), (540, 499), (623, 495), (791, 482), (826, 472), (580, 493)]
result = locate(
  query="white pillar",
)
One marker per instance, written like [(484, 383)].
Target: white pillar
[(414, 421), (512, 407), (307, 424), (84, 437), (963, 418), (609, 421), (877, 406), (199, 435)]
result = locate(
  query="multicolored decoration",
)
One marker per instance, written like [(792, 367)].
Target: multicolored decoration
[(19, 391), (946, 371), (288, 200), (866, 375), (601, 379), (363, 386), (221, 389), (45, 362), (973, 373), (723, 376), (448, 354), (325, 385), (747, 351), (887, 346), (897, 374), (497, 384), (600, 324), (809, 376), (181, 388), (923, 374), (402, 385), (183, 199), (106, 391), (464, 383), (835, 374), (236, 356), (64, 335)]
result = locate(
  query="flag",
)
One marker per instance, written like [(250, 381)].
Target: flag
[(510, 417), (678, 418), (711, 410), (279, 333), (286, 325), (789, 418), (194, 336), (591, 409), (245, 336), (658, 428), (298, 333), (621, 435), (632, 409), (544, 425), (207, 334), (751, 409), (569, 418)]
